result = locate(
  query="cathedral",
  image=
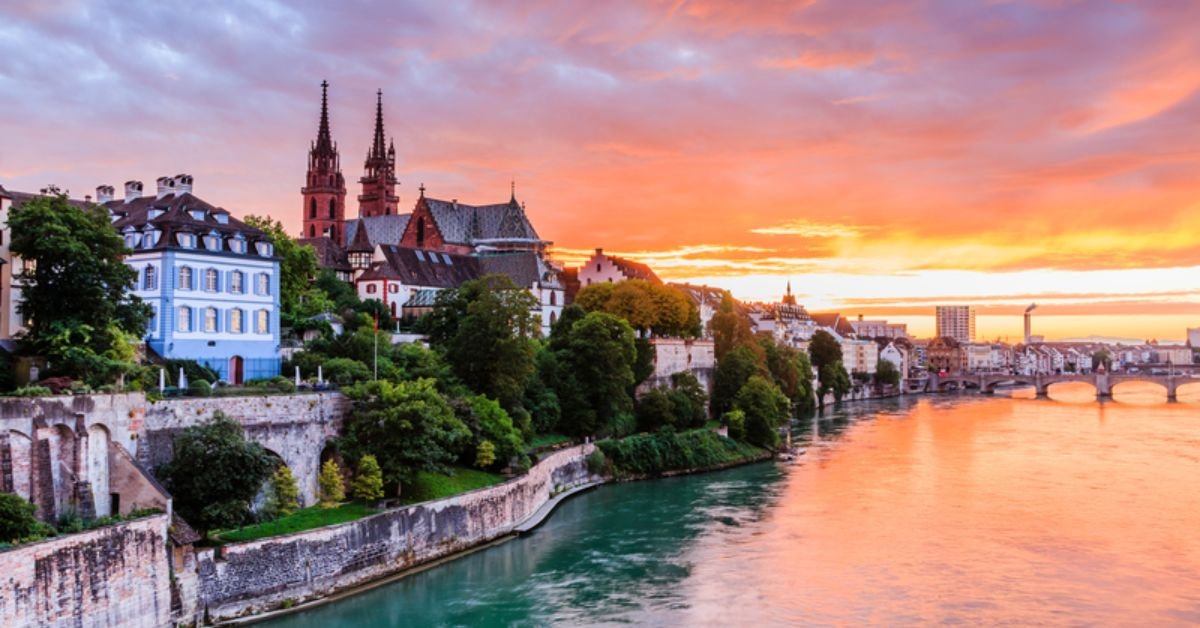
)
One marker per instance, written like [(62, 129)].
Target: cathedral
[(398, 258)]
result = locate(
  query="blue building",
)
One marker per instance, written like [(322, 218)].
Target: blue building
[(212, 280)]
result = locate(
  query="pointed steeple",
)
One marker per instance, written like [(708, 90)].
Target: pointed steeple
[(378, 196), (324, 191), (324, 145), (513, 196), (378, 147)]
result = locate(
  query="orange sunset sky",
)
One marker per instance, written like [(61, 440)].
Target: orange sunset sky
[(882, 156)]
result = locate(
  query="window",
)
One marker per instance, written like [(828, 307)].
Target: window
[(185, 278), (235, 321), (153, 322), (420, 232), (210, 280), (312, 231), (264, 284), (370, 288), (263, 324), (597, 268), (393, 288), (150, 239), (185, 319), (235, 282), (150, 278), (210, 319), (212, 242), (312, 208), (332, 208), (187, 240), (553, 298), (237, 245), (264, 249)]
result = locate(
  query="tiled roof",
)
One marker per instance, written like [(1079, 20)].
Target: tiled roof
[(421, 298), (700, 295), (525, 269), (417, 267), (181, 533), (835, 322), (329, 255), (380, 229), (635, 270), (460, 223)]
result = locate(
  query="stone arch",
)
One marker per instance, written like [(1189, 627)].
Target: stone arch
[(990, 385), (21, 448), (1122, 385), (64, 468), (1188, 392), (1067, 384), (96, 467), (259, 503)]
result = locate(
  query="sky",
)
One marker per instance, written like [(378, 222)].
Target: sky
[(884, 157)]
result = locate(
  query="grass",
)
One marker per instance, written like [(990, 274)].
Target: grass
[(542, 441), (436, 485), (304, 519)]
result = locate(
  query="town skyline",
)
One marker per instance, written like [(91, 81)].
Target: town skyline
[(777, 182)]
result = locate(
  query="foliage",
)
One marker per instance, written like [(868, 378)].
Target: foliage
[(791, 371), (592, 374), (192, 370), (546, 441), (886, 373), (408, 426), (484, 328), (833, 379), (215, 473), (200, 388), (654, 410), (456, 480), (540, 399), (368, 484), (299, 521), (488, 422), (78, 255), (647, 307), (735, 420), (345, 371), (689, 399), (17, 519), (485, 454), (279, 384), (765, 409), (1102, 357), (298, 297), (733, 371), (730, 329), (32, 391), (284, 498), (332, 485), (824, 349), (596, 462), (661, 452)]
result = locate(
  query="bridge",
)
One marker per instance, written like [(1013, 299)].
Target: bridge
[(1103, 383)]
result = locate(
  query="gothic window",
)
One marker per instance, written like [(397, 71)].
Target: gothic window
[(210, 320), (553, 318), (312, 231), (210, 280), (185, 278), (312, 208), (235, 321), (332, 209), (150, 278), (264, 284), (185, 319), (262, 323), (553, 300), (420, 232), (235, 282)]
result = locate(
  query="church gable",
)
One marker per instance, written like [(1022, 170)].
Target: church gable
[(422, 230)]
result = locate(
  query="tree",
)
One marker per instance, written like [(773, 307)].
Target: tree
[(368, 485), (408, 426), (1101, 357), (298, 297), (485, 454), (215, 473), (284, 498), (765, 408), (833, 379), (733, 371), (485, 329), (647, 307), (82, 317), (791, 371), (824, 349), (16, 518), (735, 420), (332, 485), (487, 421), (593, 373), (886, 374), (729, 328), (655, 411), (689, 399)]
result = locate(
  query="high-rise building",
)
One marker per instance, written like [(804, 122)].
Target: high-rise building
[(956, 321)]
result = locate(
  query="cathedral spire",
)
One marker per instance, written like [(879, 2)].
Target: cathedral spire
[(378, 148), (324, 143), (378, 196)]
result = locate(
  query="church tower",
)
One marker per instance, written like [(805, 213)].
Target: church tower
[(324, 191), (378, 196)]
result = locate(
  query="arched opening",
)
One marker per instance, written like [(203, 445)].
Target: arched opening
[(1188, 393), (236, 365), (332, 209), (262, 498), (106, 503), (420, 232), (312, 231), (62, 466), (1072, 392), (312, 208), (554, 319), (21, 447), (1139, 392)]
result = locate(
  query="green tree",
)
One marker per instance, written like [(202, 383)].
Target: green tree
[(689, 399), (16, 518), (886, 374), (408, 426), (485, 454), (733, 371), (791, 371), (594, 373), (824, 349), (368, 484), (655, 410), (1102, 357), (284, 498), (735, 420), (765, 408), (833, 379), (485, 329), (730, 329), (298, 297), (82, 317), (215, 473), (332, 484), (487, 421)]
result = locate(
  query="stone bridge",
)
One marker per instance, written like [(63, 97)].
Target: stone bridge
[(1103, 383)]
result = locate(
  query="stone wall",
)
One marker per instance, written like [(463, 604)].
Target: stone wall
[(256, 576), (673, 355), (113, 576)]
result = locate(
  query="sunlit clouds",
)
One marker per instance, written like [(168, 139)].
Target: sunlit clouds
[(882, 156)]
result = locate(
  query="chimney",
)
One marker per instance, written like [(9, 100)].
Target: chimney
[(599, 251), (183, 184), (133, 190), (104, 194), (166, 185)]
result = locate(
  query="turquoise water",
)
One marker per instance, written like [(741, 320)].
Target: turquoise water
[(958, 510)]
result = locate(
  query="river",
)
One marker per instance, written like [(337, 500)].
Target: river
[(939, 510)]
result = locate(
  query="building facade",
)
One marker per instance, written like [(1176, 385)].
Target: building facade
[(604, 268), (956, 321)]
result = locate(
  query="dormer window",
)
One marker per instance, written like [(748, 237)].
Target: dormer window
[(150, 239), (222, 219), (132, 240), (198, 214), (237, 244), (264, 249), (153, 213), (187, 240), (212, 242)]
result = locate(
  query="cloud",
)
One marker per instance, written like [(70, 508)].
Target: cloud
[(809, 229)]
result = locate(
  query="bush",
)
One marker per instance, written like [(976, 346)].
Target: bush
[(596, 462), (765, 407), (653, 454), (736, 421), (368, 485), (32, 391), (58, 385), (278, 384), (344, 371), (655, 410), (285, 494), (16, 518), (485, 454), (200, 388), (332, 489)]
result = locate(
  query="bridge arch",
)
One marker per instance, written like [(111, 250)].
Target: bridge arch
[(989, 384), (1072, 391), (1188, 392), (1126, 387)]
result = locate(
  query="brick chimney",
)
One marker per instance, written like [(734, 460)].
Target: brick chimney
[(133, 190), (166, 185)]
